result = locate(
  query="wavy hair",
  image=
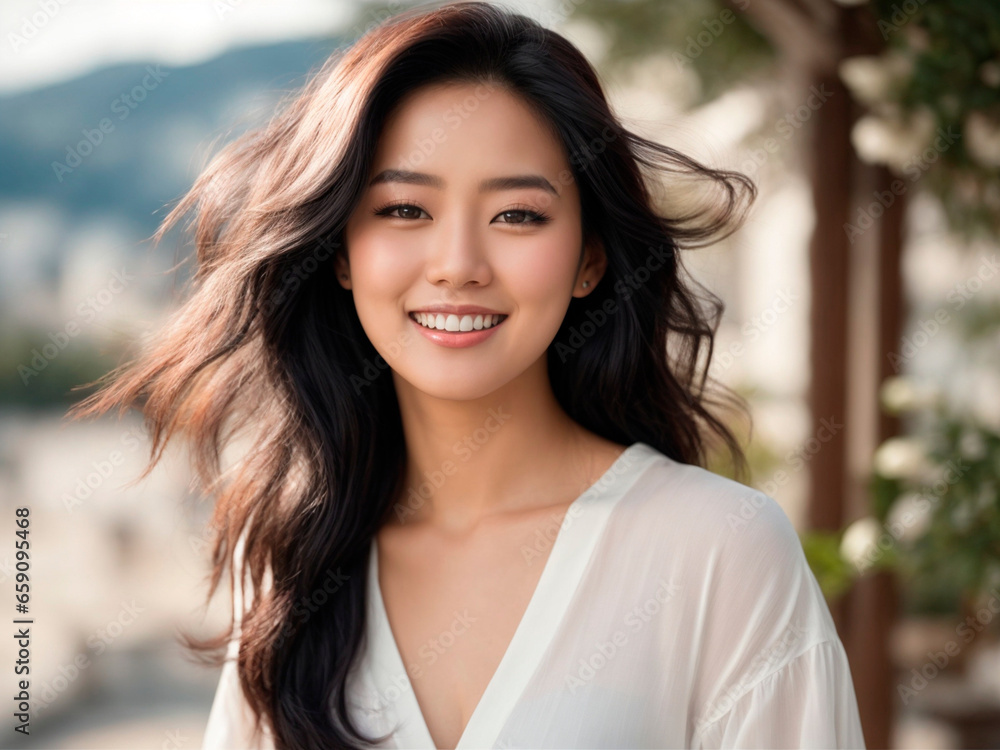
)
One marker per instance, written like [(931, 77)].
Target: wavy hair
[(268, 348)]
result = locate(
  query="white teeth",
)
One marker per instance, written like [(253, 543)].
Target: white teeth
[(442, 322)]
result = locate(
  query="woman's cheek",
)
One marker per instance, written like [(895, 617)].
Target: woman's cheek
[(544, 267), (385, 260)]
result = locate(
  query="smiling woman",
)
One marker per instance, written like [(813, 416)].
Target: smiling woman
[(437, 296), (477, 249)]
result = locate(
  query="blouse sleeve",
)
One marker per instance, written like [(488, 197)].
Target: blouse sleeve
[(231, 720), (807, 703), (773, 671)]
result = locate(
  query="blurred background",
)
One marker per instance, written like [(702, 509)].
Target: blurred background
[(862, 318)]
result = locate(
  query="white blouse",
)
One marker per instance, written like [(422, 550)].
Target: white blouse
[(675, 609)]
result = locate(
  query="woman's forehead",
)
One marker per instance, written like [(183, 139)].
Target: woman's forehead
[(465, 127)]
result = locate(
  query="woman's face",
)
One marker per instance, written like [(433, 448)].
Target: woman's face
[(471, 204)]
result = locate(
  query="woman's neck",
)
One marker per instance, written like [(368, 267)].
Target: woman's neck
[(515, 449)]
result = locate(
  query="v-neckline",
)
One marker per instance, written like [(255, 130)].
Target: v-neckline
[(568, 558)]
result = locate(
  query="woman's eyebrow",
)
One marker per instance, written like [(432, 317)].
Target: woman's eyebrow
[(492, 183)]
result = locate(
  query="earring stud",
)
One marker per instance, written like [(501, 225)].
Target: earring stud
[(586, 284)]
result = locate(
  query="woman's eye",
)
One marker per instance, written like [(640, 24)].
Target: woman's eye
[(519, 216), (401, 211), (516, 216), (523, 216)]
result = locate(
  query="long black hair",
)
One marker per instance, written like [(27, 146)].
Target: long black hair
[(269, 348)]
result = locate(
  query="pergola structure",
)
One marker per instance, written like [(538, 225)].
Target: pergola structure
[(856, 318)]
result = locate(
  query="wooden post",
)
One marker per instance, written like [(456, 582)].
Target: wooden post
[(873, 603)]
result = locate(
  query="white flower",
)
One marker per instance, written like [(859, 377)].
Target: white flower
[(873, 139), (909, 517), (982, 139), (866, 78), (893, 138), (901, 458), (872, 78), (859, 545), (899, 394)]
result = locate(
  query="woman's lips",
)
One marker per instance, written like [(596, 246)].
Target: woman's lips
[(456, 339)]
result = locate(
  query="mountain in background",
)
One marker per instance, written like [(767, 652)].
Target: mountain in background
[(66, 230)]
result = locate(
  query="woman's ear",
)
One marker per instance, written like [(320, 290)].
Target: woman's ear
[(592, 267), (343, 269)]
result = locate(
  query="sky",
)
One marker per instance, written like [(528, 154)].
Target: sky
[(47, 41)]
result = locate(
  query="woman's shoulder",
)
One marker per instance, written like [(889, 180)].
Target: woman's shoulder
[(676, 499), (744, 578), (734, 545)]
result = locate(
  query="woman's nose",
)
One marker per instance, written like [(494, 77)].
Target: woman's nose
[(457, 255)]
